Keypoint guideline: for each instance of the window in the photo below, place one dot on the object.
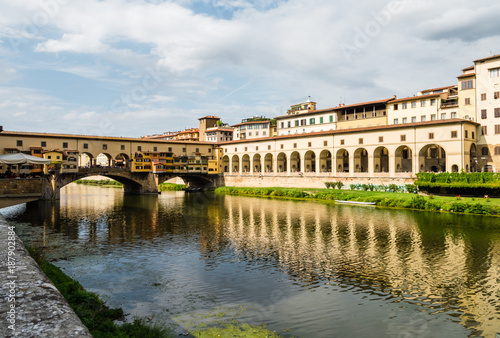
(453, 134)
(139, 148)
(497, 150)
(309, 144)
(495, 72)
(484, 114)
(19, 143)
(422, 103)
(396, 106)
(433, 102)
(396, 121)
(497, 112)
(303, 122)
(485, 151)
(342, 142)
(104, 147)
(256, 133)
(257, 148)
(325, 143)
(414, 104)
(269, 147)
(413, 119)
(295, 145)
(466, 134)
(246, 148)
(197, 150)
(296, 123)
(472, 135)
(443, 116)
(250, 133)
(453, 115)
(467, 100)
(381, 139)
(156, 149)
(360, 141)
(483, 96)
(431, 136)
(184, 150)
(331, 118)
(312, 121)
(405, 120)
(496, 95)
(85, 146)
(423, 118)
(404, 105)
(321, 120)
(65, 144)
(469, 84)
(484, 130)
(281, 146)
(497, 128)
(433, 117)
(264, 133)
(289, 123)
(235, 150)
(403, 138)
(282, 125)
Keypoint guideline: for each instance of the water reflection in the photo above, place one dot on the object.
(345, 258)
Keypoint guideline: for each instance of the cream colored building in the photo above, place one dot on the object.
(252, 128)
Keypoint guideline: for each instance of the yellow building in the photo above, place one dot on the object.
(56, 158)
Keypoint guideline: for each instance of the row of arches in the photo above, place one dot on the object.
(88, 160)
(430, 158)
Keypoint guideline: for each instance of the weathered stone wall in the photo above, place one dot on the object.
(20, 187)
(30, 305)
(298, 181)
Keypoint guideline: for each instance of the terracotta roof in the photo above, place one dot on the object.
(351, 130)
(468, 68)
(417, 97)
(209, 117)
(251, 122)
(336, 108)
(466, 75)
(433, 89)
(488, 58)
(94, 137)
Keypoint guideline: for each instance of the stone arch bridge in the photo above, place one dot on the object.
(133, 182)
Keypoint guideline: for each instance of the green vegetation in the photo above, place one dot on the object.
(92, 311)
(171, 187)
(473, 184)
(101, 183)
(468, 205)
(235, 330)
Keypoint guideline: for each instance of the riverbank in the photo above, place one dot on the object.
(456, 204)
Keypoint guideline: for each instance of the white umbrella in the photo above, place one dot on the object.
(20, 158)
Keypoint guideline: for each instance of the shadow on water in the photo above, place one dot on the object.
(312, 267)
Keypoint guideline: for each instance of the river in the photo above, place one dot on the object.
(304, 269)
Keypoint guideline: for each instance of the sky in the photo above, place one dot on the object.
(139, 67)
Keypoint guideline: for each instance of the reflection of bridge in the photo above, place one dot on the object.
(133, 182)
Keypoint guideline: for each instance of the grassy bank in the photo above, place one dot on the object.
(457, 204)
(101, 183)
(171, 187)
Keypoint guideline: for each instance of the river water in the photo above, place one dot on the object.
(304, 269)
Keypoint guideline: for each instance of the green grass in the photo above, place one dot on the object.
(101, 183)
(171, 187)
(468, 205)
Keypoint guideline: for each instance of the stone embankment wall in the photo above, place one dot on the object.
(30, 305)
(20, 187)
(253, 181)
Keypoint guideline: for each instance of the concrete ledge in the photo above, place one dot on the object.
(30, 305)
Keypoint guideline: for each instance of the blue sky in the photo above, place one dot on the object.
(131, 68)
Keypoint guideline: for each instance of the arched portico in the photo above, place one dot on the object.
(225, 164)
(245, 163)
(310, 162)
(235, 164)
(256, 165)
(325, 161)
(282, 163)
(342, 160)
(268, 163)
(122, 161)
(432, 158)
(381, 160)
(295, 162)
(473, 158)
(403, 160)
(361, 160)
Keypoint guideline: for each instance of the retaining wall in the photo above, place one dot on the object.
(30, 305)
